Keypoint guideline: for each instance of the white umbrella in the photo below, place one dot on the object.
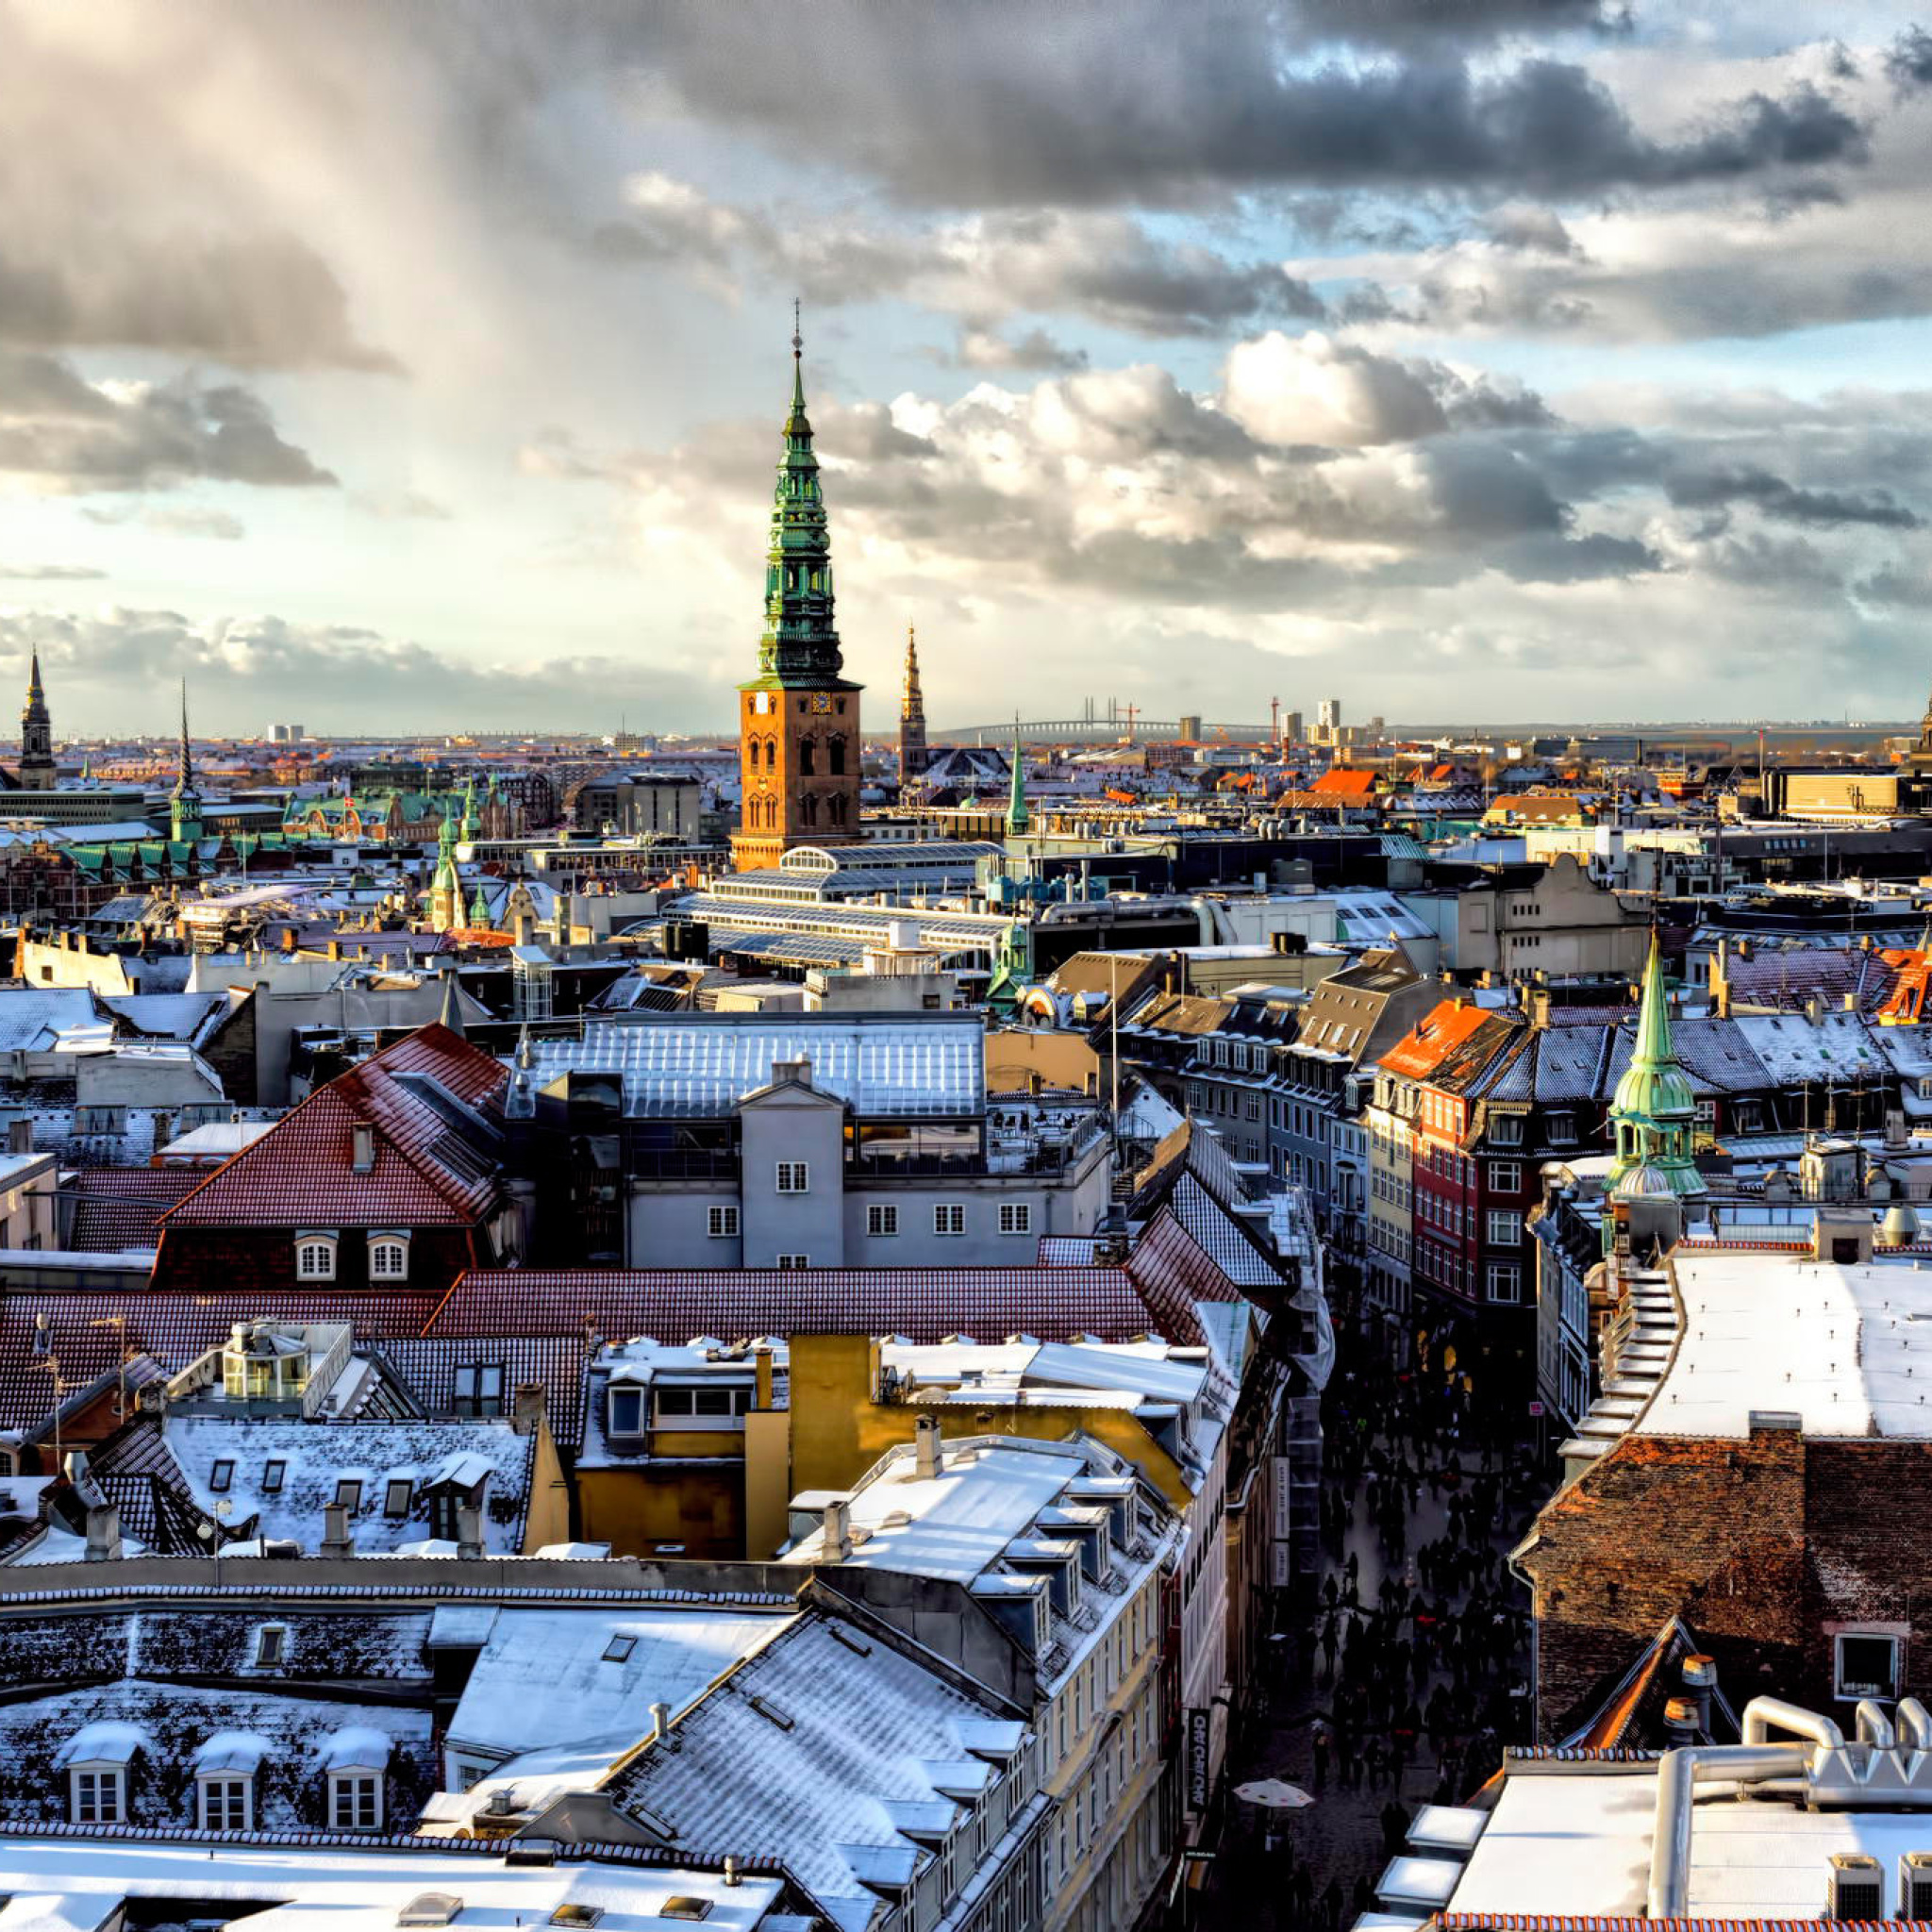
(1274, 1795)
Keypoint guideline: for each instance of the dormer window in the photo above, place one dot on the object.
(354, 1801)
(396, 1501)
(98, 1796)
(349, 1494)
(221, 1478)
(273, 1474)
(227, 1803)
(477, 1389)
(270, 1646)
(388, 1258)
(315, 1257)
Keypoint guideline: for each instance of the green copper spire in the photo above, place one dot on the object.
(800, 645)
(472, 825)
(1019, 819)
(184, 805)
(1654, 1114)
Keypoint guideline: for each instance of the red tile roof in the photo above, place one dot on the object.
(122, 1207)
(299, 1172)
(1344, 784)
(87, 1329)
(1448, 1026)
(923, 1304)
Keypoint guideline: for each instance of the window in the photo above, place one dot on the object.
(881, 1219)
(395, 1502)
(1505, 1227)
(349, 1494)
(1505, 1282)
(619, 1649)
(272, 1475)
(720, 1224)
(221, 1478)
(1865, 1665)
(389, 1259)
(225, 1804)
(478, 1388)
(1562, 1130)
(1506, 1176)
(315, 1260)
(628, 1411)
(1506, 1130)
(1016, 1217)
(795, 1261)
(795, 1177)
(270, 1646)
(97, 1797)
(354, 1801)
(949, 1217)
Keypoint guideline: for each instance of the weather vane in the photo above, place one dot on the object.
(797, 339)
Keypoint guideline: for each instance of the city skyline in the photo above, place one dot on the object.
(1505, 361)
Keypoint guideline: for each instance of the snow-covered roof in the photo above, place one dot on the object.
(1835, 1344)
(61, 1882)
(551, 1677)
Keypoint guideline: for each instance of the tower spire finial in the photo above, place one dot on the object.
(797, 362)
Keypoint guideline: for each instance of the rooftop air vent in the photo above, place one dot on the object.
(1857, 1890)
(1915, 1885)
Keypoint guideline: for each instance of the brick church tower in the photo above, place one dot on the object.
(798, 718)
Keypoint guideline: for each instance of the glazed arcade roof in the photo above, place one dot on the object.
(706, 1063)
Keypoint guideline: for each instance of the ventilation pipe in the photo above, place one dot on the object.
(838, 1531)
(928, 1457)
(469, 1531)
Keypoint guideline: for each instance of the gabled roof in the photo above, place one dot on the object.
(430, 1098)
(121, 1207)
(1456, 1039)
(922, 1303)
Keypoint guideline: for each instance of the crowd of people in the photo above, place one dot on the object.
(1411, 1661)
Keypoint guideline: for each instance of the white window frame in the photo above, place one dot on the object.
(485, 1388)
(1847, 1692)
(792, 1263)
(1506, 1130)
(215, 1793)
(384, 1248)
(949, 1218)
(315, 1257)
(1016, 1217)
(1506, 1176)
(721, 1222)
(1504, 1228)
(1502, 1275)
(793, 1176)
(627, 1392)
(350, 1793)
(881, 1219)
(97, 1793)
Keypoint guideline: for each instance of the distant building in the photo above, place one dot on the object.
(286, 734)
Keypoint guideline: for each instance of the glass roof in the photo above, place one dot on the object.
(684, 1064)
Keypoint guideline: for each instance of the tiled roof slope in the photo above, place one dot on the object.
(922, 1303)
(86, 1330)
(121, 1207)
(431, 1161)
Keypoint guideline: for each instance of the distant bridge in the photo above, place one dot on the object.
(1099, 731)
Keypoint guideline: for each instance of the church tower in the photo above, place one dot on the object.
(185, 822)
(913, 756)
(1654, 1118)
(37, 771)
(447, 884)
(798, 718)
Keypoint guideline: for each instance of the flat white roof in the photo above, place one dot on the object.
(1846, 1348)
(79, 1885)
(1579, 1845)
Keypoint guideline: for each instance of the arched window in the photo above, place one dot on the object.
(808, 756)
(315, 1258)
(389, 1258)
(808, 809)
(837, 805)
(835, 747)
(771, 754)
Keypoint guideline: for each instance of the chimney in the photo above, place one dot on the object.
(529, 1407)
(1681, 1721)
(838, 1532)
(73, 1466)
(928, 1457)
(362, 1147)
(469, 1531)
(1700, 1686)
(102, 1532)
(761, 1369)
(731, 1876)
(336, 1539)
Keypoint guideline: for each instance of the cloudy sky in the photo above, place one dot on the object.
(419, 363)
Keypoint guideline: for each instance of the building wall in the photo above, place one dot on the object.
(790, 795)
(789, 1124)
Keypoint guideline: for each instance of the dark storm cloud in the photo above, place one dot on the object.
(1010, 103)
(1776, 497)
(1909, 60)
(69, 436)
(1467, 20)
